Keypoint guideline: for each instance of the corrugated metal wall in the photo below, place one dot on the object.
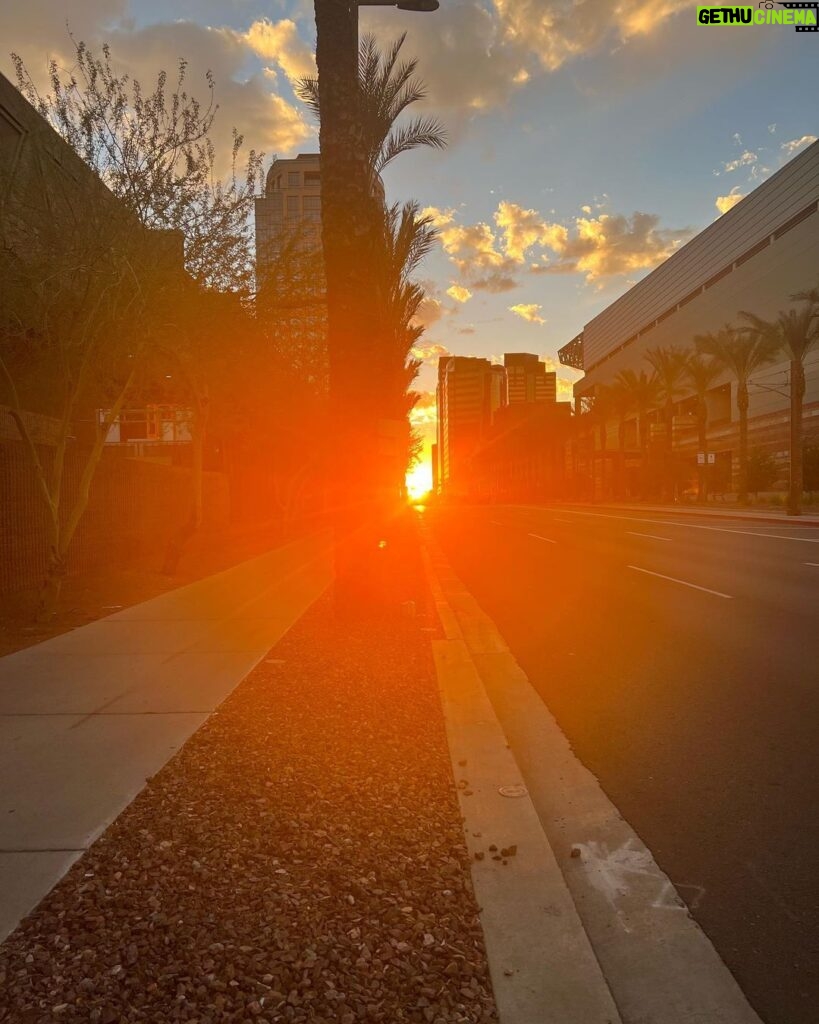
(782, 197)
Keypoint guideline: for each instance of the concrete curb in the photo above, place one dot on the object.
(542, 965)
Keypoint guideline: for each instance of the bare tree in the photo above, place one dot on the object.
(85, 290)
(96, 272)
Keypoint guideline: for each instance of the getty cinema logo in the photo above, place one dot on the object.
(803, 16)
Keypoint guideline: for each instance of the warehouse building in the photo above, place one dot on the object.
(754, 257)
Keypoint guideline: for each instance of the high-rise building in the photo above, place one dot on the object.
(470, 391)
(290, 208)
(527, 379)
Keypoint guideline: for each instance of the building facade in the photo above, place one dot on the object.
(470, 392)
(527, 379)
(752, 258)
(290, 208)
(501, 430)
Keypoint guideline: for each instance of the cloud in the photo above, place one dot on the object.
(555, 32)
(466, 62)
(530, 312)
(791, 148)
(279, 41)
(459, 293)
(493, 259)
(250, 102)
(430, 352)
(523, 229)
(477, 54)
(726, 203)
(431, 311)
(565, 385)
(745, 160)
(425, 411)
(473, 250)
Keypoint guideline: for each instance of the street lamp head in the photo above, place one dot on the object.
(402, 5)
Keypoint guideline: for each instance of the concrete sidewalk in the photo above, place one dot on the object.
(87, 716)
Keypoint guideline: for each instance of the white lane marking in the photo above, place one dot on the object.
(812, 563)
(650, 536)
(685, 583)
(547, 539)
(494, 522)
(688, 526)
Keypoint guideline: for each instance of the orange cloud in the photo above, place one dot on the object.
(530, 312)
(726, 203)
(279, 42)
(459, 293)
(555, 32)
(597, 247)
(429, 352)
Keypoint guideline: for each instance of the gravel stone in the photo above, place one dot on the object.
(301, 859)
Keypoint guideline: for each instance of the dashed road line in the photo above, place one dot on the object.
(684, 583)
(650, 536)
(547, 539)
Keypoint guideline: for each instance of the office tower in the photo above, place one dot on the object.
(470, 391)
(290, 210)
(527, 379)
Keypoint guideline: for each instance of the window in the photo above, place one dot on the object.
(312, 207)
(293, 206)
(293, 179)
(312, 178)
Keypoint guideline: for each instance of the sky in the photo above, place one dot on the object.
(587, 139)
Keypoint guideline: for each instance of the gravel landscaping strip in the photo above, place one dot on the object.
(301, 859)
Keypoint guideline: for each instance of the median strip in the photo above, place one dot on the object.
(684, 583)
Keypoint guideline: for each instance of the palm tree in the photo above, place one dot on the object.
(701, 374)
(741, 353)
(643, 391)
(621, 403)
(387, 87)
(795, 332)
(408, 239)
(669, 366)
(358, 95)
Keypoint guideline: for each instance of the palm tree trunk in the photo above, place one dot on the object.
(742, 406)
(641, 427)
(348, 232)
(671, 489)
(797, 398)
(702, 444)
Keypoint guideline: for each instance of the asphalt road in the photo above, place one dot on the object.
(680, 656)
